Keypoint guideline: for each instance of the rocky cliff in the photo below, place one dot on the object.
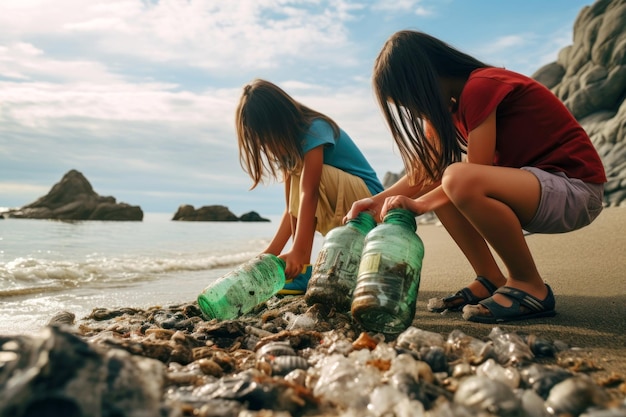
(589, 76)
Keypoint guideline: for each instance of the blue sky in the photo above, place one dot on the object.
(139, 95)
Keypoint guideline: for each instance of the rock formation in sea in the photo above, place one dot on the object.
(589, 76)
(73, 198)
(252, 216)
(215, 213)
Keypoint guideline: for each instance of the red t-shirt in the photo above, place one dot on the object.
(533, 127)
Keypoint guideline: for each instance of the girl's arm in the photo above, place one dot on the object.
(300, 253)
(284, 232)
(401, 189)
(481, 147)
(282, 235)
(481, 150)
(427, 201)
(375, 204)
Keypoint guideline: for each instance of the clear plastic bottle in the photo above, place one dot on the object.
(510, 348)
(389, 274)
(240, 290)
(334, 274)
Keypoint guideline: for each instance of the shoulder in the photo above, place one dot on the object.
(487, 84)
(319, 133)
(320, 127)
(498, 76)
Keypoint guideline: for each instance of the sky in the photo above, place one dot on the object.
(140, 95)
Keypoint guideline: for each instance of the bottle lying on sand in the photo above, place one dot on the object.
(389, 275)
(334, 273)
(242, 289)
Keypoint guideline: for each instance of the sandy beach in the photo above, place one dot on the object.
(586, 270)
(192, 366)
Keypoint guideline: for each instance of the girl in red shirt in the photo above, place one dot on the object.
(492, 153)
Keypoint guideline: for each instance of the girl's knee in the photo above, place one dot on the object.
(454, 176)
(458, 182)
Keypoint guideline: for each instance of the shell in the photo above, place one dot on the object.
(541, 378)
(540, 347)
(484, 394)
(282, 365)
(210, 367)
(274, 349)
(510, 348)
(467, 348)
(62, 318)
(575, 395)
(508, 375)
(414, 339)
(435, 357)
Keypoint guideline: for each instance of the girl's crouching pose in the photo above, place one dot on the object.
(529, 166)
(323, 170)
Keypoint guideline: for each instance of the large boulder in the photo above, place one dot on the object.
(73, 198)
(589, 76)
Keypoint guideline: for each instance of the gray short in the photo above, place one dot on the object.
(566, 203)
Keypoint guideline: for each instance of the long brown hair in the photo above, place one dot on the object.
(270, 126)
(406, 81)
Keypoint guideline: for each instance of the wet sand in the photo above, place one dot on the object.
(586, 270)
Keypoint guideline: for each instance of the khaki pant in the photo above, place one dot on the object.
(338, 190)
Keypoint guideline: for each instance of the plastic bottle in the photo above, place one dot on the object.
(389, 275)
(334, 274)
(240, 290)
(510, 348)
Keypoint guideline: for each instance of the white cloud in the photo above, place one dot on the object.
(39, 104)
(21, 188)
(403, 6)
(202, 33)
(24, 61)
(526, 52)
(509, 41)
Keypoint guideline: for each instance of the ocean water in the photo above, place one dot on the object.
(52, 266)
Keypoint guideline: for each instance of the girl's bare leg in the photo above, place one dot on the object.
(473, 247)
(497, 201)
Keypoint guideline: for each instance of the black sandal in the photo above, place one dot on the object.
(438, 305)
(525, 306)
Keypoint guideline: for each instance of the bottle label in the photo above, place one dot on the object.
(369, 263)
(337, 261)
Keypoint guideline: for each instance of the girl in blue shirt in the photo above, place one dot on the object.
(323, 170)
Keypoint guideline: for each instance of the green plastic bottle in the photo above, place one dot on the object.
(242, 289)
(334, 274)
(389, 275)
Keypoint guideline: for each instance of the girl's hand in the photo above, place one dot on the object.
(400, 201)
(365, 204)
(294, 263)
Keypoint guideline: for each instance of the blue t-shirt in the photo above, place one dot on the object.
(341, 153)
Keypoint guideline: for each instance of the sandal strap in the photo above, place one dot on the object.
(530, 302)
(465, 293)
(487, 284)
(468, 296)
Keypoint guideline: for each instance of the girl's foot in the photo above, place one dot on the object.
(478, 290)
(522, 306)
